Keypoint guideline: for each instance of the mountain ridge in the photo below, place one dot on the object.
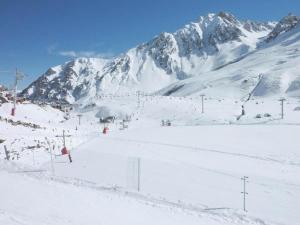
(269, 71)
(212, 42)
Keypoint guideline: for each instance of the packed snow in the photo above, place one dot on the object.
(186, 173)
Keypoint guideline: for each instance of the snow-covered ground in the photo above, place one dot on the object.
(186, 173)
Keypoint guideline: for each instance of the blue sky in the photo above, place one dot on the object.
(38, 34)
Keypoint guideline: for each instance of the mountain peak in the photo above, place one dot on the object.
(221, 16)
(227, 16)
(286, 24)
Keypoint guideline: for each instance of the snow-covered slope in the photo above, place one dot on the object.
(39, 199)
(188, 174)
(271, 70)
(67, 82)
(202, 46)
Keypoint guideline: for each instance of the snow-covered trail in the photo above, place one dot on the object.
(202, 172)
(185, 166)
(44, 200)
(193, 148)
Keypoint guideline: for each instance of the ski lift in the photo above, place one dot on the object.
(105, 130)
(64, 151)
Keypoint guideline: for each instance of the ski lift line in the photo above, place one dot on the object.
(138, 195)
(134, 195)
(220, 208)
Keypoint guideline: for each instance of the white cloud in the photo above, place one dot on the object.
(86, 54)
(52, 49)
(67, 53)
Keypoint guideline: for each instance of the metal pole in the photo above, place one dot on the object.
(138, 95)
(139, 174)
(244, 194)
(202, 101)
(244, 179)
(18, 77)
(282, 111)
(6, 153)
(70, 158)
(202, 104)
(51, 155)
(79, 118)
(64, 139)
(15, 89)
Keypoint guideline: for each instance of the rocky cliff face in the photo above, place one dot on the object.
(201, 46)
(285, 24)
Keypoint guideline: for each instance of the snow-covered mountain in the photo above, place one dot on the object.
(286, 24)
(271, 70)
(200, 47)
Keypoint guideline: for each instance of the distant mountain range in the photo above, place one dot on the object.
(217, 54)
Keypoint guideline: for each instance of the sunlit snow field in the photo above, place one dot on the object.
(186, 173)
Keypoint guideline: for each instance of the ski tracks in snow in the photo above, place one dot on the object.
(198, 149)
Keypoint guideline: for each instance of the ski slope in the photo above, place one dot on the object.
(34, 200)
(202, 169)
(189, 173)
